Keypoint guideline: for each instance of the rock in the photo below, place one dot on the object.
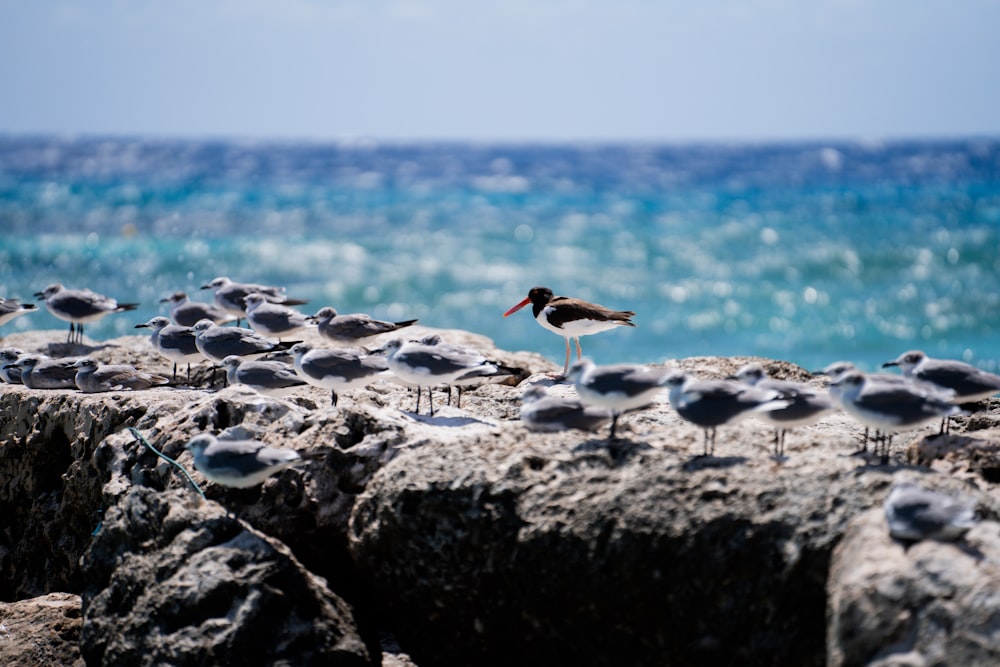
(636, 553)
(41, 632)
(933, 603)
(463, 538)
(179, 582)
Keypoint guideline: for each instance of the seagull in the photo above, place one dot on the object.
(239, 463)
(571, 318)
(349, 329)
(186, 313)
(79, 306)
(271, 378)
(10, 373)
(92, 377)
(543, 413)
(915, 513)
(807, 404)
(475, 377)
(229, 295)
(890, 408)
(273, 319)
(339, 369)
(968, 383)
(174, 342)
(713, 403)
(216, 343)
(431, 365)
(40, 372)
(11, 308)
(618, 387)
(838, 369)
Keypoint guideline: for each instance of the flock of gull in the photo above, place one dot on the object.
(925, 391)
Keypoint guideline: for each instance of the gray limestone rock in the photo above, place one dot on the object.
(934, 603)
(172, 580)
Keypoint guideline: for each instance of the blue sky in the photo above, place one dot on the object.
(508, 70)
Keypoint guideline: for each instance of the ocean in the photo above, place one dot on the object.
(809, 252)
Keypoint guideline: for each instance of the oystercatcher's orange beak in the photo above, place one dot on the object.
(518, 307)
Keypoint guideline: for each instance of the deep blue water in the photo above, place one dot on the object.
(810, 252)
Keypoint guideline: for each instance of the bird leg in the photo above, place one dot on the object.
(566, 366)
(614, 425)
(333, 397)
(579, 352)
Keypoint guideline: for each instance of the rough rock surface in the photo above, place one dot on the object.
(171, 581)
(460, 538)
(41, 632)
(934, 603)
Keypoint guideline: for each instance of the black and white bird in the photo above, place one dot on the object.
(216, 343)
(890, 408)
(544, 413)
(41, 372)
(353, 328)
(93, 377)
(274, 319)
(271, 378)
(174, 342)
(187, 313)
(617, 387)
(239, 463)
(230, 295)
(571, 318)
(475, 377)
(338, 370)
(915, 513)
(423, 365)
(807, 404)
(714, 403)
(79, 307)
(9, 372)
(968, 383)
(11, 308)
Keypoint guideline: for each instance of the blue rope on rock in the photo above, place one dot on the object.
(169, 460)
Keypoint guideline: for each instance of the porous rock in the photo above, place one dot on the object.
(462, 536)
(41, 632)
(930, 603)
(175, 581)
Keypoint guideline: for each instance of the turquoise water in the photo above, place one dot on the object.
(809, 252)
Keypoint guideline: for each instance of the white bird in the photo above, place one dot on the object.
(229, 295)
(271, 378)
(545, 413)
(216, 343)
(92, 377)
(714, 403)
(890, 408)
(79, 307)
(11, 308)
(915, 513)
(239, 463)
(274, 319)
(40, 372)
(618, 387)
(340, 369)
(428, 366)
(9, 372)
(352, 328)
(807, 404)
(173, 342)
(967, 383)
(186, 313)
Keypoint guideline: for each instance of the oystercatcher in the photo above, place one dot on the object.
(571, 318)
